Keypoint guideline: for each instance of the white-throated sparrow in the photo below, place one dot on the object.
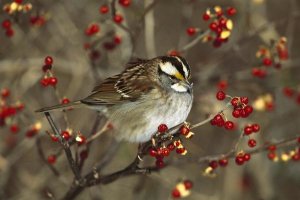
(146, 94)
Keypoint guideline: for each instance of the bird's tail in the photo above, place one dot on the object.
(60, 106)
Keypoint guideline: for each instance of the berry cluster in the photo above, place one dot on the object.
(292, 94)
(241, 107)
(182, 189)
(269, 56)
(37, 20)
(284, 156)
(220, 25)
(92, 29)
(14, 8)
(49, 79)
(67, 135)
(162, 149)
(17, 6)
(219, 121)
(242, 157)
(8, 111)
(7, 26)
(213, 165)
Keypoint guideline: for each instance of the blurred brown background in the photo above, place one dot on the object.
(24, 176)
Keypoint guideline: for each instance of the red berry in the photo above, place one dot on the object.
(239, 160)
(235, 102)
(223, 162)
(247, 156)
(244, 100)
(159, 163)
(220, 123)
(176, 193)
(229, 125)
(14, 128)
(213, 26)
(188, 184)
(9, 32)
(177, 143)
(283, 53)
(213, 164)
(184, 130)
(272, 148)
(103, 9)
(255, 127)
(18, 1)
(117, 39)
(5, 92)
(298, 140)
(222, 85)
(251, 143)
(180, 150)
(174, 53)
(248, 130)
(125, 3)
(289, 92)
(296, 157)
(118, 18)
(222, 22)
(31, 132)
(165, 152)
(51, 159)
(236, 113)
(231, 11)
(65, 101)
(205, 17)
(162, 128)
(45, 82)
(53, 81)
(66, 135)
(191, 31)
(267, 62)
(6, 24)
(220, 95)
(248, 110)
(171, 146)
(271, 155)
(48, 60)
(92, 29)
(54, 138)
(152, 152)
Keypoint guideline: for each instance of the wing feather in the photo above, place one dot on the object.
(127, 86)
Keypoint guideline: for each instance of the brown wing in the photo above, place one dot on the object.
(127, 86)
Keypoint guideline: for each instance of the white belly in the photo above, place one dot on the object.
(138, 121)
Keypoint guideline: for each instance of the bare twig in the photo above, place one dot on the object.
(66, 147)
(192, 43)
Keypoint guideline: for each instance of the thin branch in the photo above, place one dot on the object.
(66, 147)
(192, 43)
(232, 153)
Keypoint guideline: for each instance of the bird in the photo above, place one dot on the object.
(149, 92)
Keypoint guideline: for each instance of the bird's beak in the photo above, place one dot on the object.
(186, 84)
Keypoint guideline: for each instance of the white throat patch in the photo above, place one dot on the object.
(179, 88)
